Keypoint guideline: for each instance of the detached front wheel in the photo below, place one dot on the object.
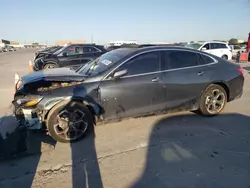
(69, 121)
(213, 100)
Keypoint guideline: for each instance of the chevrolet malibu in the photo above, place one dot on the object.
(127, 82)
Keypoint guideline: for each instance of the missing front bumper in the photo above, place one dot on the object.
(27, 118)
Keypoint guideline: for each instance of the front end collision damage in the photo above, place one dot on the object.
(34, 115)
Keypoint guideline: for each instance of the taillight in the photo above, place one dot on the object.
(240, 69)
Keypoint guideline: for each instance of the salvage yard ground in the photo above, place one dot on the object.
(177, 150)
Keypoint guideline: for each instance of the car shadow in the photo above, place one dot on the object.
(85, 166)
(195, 151)
(21, 170)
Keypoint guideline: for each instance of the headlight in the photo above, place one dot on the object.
(19, 84)
(29, 101)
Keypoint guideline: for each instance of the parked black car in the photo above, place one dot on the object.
(45, 51)
(126, 83)
(110, 48)
(72, 56)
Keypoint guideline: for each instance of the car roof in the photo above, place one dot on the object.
(215, 42)
(134, 51)
(170, 47)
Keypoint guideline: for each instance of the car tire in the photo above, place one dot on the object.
(213, 100)
(224, 57)
(50, 66)
(61, 121)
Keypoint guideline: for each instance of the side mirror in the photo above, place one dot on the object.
(64, 54)
(120, 73)
(203, 49)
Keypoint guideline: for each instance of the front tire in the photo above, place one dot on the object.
(69, 121)
(224, 57)
(213, 100)
(50, 66)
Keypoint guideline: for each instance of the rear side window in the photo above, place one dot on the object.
(89, 49)
(179, 59)
(218, 46)
(203, 59)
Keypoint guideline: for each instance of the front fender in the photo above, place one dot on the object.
(48, 105)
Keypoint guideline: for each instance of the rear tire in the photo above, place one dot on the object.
(69, 121)
(213, 100)
(224, 57)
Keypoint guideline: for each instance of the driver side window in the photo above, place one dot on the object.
(206, 46)
(141, 64)
(73, 50)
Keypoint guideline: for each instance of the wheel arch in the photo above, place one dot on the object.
(94, 108)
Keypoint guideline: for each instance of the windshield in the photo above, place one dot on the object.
(194, 45)
(60, 50)
(55, 49)
(102, 63)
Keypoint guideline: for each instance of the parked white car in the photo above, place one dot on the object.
(236, 49)
(220, 49)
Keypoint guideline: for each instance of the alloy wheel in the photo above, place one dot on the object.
(70, 125)
(215, 101)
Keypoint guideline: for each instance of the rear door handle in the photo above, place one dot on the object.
(155, 79)
(200, 73)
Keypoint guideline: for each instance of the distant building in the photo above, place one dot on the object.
(63, 42)
(119, 43)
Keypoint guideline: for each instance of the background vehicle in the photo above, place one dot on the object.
(45, 51)
(72, 56)
(126, 82)
(8, 49)
(110, 48)
(236, 49)
(220, 49)
(11, 48)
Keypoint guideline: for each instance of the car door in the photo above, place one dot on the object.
(184, 77)
(71, 56)
(140, 91)
(219, 49)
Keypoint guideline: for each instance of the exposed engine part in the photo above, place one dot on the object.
(31, 120)
(55, 85)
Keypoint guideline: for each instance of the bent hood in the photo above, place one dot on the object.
(57, 74)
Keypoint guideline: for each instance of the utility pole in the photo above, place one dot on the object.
(91, 39)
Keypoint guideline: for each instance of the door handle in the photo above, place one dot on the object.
(200, 73)
(155, 79)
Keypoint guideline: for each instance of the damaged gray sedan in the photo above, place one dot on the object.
(125, 83)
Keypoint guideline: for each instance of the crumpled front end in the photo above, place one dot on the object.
(33, 101)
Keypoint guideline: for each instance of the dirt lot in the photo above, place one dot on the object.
(177, 150)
